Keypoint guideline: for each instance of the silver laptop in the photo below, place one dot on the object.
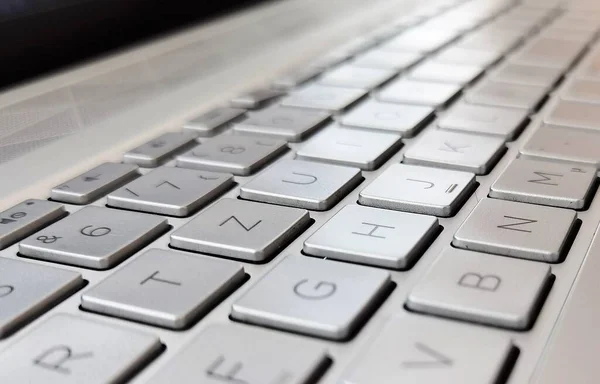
(301, 192)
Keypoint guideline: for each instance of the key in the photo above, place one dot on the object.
(302, 184)
(506, 95)
(557, 32)
(211, 122)
(226, 353)
(434, 71)
(350, 76)
(419, 39)
(496, 121)
(417, 189)
(241, 229)
(164, 288)
(546, 183)
(574, 114)
(547, 52)
(26, 218)
(381, 59)
(67, 349)
(465, 56)
(317, 96)
(585, 91)
(454, 150)
(171, 191)
(517, 230)
(154, 152)
(27, 290)
(428, 350)
(93, 237)
(373, 236)
(403, 119)
(94, 184)
(240, 155)
(491, 39)
(312, 296)
(590, 67)
(418, 92)
(296, 78)
(566, 144)
(526, 75)
(291, 124)
(481, 288)
(366, 150)
(256, 98)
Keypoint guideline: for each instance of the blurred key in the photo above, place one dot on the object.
(296, 78)
(151, 154)
(506, 95)
(328, 98)
(573, 113)
(445, 73)
(465, 56)
(585, 91)
(366, 150)
(548, 52)
(494, 40)
(210, 123)
(312, 296)
(351, 76)
(381, 59)
(526, 75)
(255, 99)
(406, 91)
(420, 39)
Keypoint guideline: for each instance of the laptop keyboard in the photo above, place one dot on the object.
(431, 103)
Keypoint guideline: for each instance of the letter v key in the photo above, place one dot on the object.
(434, 358)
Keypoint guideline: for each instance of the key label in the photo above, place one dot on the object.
(309, 179)
(435, 359)
(6, 290)
(428, 184)
(371, 233)
(320, 291)
(56, 357)
(521, 221)
(228, 375)
(489, 283)
(546, 178)
(448, 147)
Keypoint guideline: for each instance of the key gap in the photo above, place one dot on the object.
(369, 312)
(145, 362)
(570, 239)
(320, 370)
(508, 366)
(589, 197)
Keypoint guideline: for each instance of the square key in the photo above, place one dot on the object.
(381, 59)
(482, 288)
(507, 95)
(392, 117)
(316, 297)
(94, 237)
(164, 288)
(158, 150)
(406, 91)
(432, 70)
(171, 191)
(325, 97)
(240, 155)
(425, 190)
(520, 230)
(241, 229)
(454, 150)
(373, 236)
(302, 184)
(348, 75)
(364, 149)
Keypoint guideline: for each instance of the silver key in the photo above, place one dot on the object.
(211, 122)
(328, 98)
(563, 143)
(432, 70)
(312, 296)
(430, 350)
(547, 183)
(403, 119)
(506, 95)
(491, 39)
(241, 229)
(26, 218)
(164, 288)
(526, 75)
(291, 124)
(454, 150)
(520, 230)
(418, 92)
(373, 236)
(225, 353)
(93, 237)
(590, 67)
(296, 78)
(366, 150)
(381, 59)
(584, 91)
(465, 56)
(94, 184)
(255, 99)
(548, 52)
(417, 189)
(67, 349)
(28, 289)
(351, 76)
(302, 184)
(482, 288)
(420, 39)
(574, 114)
(156, 151)
(171, 191)
(496, 121)
(240, 155)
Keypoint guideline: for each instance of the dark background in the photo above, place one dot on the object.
(41, 36)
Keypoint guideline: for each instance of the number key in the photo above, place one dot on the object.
(93, 237)
(313, 296)
(240, 155)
